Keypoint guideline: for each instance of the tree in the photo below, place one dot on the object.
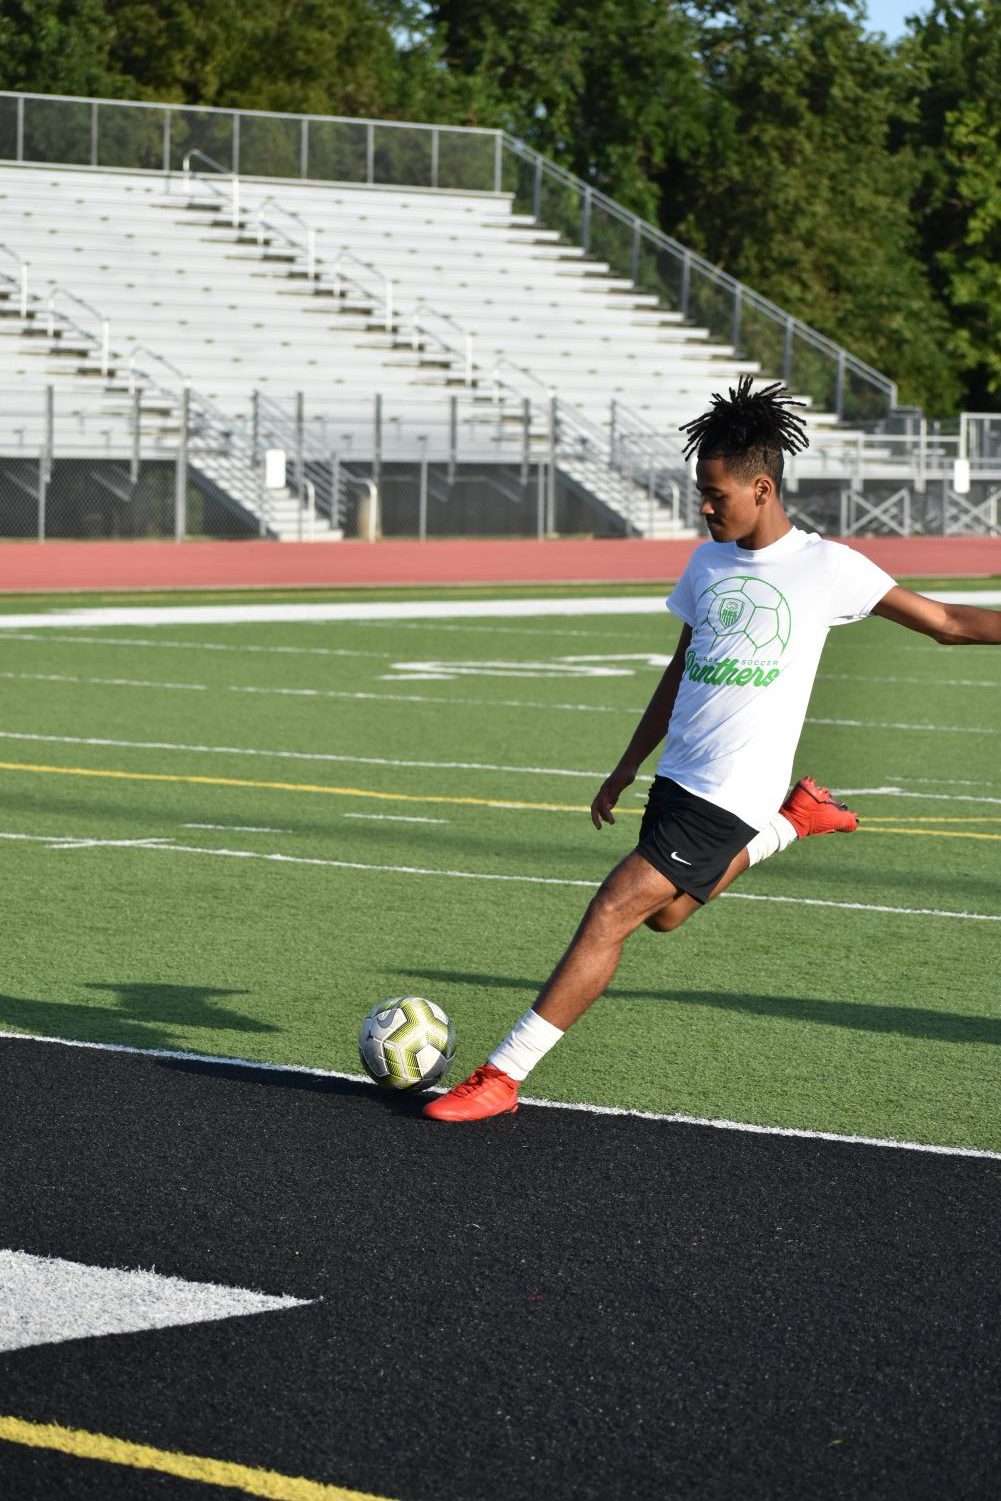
(953, 129)
(608, 88)
(55, 47)
(801, 193)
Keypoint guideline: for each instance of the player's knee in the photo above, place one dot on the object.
(607, 913)
(666, 919)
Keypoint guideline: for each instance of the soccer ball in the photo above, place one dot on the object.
(406, 1042)
(742, 612)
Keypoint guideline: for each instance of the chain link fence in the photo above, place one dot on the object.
(154, 463)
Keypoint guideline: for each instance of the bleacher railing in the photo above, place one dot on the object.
(140, 136)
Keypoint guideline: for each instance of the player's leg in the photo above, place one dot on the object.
(624, 900)
(622, 903)
(807, 810)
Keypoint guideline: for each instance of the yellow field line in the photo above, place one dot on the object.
(874, 825)
(932, 818)
(222, 1472)
(392, 797)
(868, 828)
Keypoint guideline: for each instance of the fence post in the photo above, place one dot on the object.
(551, 485)
(20, 128)
(45, 461)
(537, 189)
(181, 471)
(93, 133)
(540, 500)
(634, 263)
(585, 221)
(166, 145)
(300, 468)
(304, 150)
(498, 162)
(686, 277)
(737, 311)
(434, 156)
(787, 351)
(377, 441)
(839, 385)
(335, 490)
(526, 438)
(136, 435)
(453, 437)
(422, 503)
(370, 153)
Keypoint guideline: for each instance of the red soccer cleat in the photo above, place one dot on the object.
(812, 810)
(488, 1091)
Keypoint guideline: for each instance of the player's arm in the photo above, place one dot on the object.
(648, 735)
(951, 625)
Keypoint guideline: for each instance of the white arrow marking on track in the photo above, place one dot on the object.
(45, 1300)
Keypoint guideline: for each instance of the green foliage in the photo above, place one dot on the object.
(333, 56)
(608, 88)
(56, 47)
(954, 131)
(799, 193)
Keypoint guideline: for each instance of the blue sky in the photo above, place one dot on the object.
(888, 15)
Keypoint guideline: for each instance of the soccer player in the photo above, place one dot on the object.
(756, 603)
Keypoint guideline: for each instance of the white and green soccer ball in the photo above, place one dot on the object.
(406, 1042)
(745, 612)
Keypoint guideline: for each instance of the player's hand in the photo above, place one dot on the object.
(609, 793)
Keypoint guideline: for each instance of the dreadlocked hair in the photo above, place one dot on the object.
(749, 429)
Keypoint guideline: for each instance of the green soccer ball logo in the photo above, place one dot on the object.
(744, 612)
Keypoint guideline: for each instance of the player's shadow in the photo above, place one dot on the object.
(858, 1016)
(141, 1014)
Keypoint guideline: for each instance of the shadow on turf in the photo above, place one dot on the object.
(278, 1078)
(142, 1016)
(858, 1016)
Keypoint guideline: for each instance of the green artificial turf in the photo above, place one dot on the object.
(826, 1017)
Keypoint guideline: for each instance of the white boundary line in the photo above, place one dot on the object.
(749, 1127)
(408, 609)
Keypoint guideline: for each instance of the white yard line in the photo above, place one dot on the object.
(879, 724)
(749, 1127)
(163, 845)
(287, 755)
(237, 828)
(194, 645)
(393, 818)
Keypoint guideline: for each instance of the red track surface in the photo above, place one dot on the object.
(230, 565)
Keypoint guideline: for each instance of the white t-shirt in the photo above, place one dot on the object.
(759, 622)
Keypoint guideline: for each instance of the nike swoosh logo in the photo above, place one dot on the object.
(680, 859)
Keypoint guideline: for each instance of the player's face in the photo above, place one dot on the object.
(731, 507)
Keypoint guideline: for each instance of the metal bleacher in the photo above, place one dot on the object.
(196, 306)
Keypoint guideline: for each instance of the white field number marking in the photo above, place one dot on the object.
(599, 665)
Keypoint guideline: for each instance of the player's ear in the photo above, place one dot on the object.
(764, 489)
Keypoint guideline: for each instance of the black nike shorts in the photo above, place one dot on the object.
(688, 840)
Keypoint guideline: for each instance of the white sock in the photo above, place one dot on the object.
(775, 836)
(528, 1041)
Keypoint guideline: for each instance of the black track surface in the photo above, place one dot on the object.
(552, 1305)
